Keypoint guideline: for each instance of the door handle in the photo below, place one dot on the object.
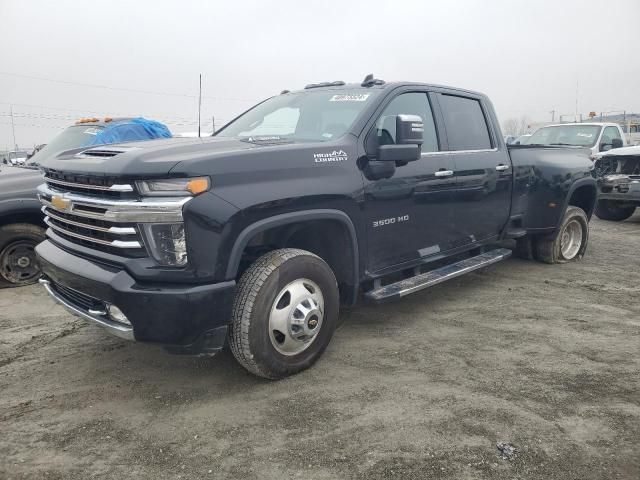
(502, 167)
(444, 173)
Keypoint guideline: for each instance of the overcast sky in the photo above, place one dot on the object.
(527, 55)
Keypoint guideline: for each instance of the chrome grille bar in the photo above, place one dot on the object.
(149, 210)
(112, 230)
(113, 243)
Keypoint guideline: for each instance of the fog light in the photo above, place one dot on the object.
(116, 315)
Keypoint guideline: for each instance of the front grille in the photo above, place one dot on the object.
(101, 187)
(113, 226)
(115, 238)
(78, 299)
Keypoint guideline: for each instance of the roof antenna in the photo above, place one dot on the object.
(370, 81)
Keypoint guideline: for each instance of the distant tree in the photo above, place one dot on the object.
(510, 126)
(516, 126)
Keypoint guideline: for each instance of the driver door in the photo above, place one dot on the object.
(409, 215)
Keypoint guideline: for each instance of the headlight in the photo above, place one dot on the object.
(167, 243)
(174, 187)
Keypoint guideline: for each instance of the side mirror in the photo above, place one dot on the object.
(409, 138)
(616, 143)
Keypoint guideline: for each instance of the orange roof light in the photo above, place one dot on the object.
(87, 120)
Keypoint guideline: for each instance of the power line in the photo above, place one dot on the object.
(108, 87)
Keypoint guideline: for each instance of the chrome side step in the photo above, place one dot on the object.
(439, 275)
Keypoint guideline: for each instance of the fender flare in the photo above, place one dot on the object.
(587, 181)
(18, 206)
(287, 218)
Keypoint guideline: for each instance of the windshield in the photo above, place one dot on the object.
(305, 116)
(578, 135)
(72, 137)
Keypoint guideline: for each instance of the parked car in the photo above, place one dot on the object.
(598, 137)
(258, 234)
(16, 157)
(618, 176)
(522, 139)
(21, 219)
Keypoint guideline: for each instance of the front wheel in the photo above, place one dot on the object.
(611, 210)
(571, 241)
(284, 313)
(18, 262)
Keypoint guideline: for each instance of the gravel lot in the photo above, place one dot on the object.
(544, 357)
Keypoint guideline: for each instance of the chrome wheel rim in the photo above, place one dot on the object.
(571, 239)
(296, 317)
(18, 262)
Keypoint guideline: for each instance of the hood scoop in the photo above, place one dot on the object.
(102, 152)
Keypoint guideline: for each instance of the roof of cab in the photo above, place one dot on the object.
(338, 85)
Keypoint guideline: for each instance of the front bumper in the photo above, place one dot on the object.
(184, 319)
(619, 187)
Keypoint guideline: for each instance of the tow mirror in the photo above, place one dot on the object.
(616, 143)
(408, 140)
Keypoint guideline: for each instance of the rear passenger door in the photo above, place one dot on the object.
(483, 173)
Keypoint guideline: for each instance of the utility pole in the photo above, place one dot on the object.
(199, 104)
(577, 101)
(553, 116)
(13, 128)
(213, 124)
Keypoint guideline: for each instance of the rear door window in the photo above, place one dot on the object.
(465, 123)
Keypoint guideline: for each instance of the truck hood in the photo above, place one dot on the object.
(14, 180)
(147, 159)
(622, 151)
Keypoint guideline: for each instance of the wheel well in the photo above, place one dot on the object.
(329, 239)
(35, 218)
(585, 198)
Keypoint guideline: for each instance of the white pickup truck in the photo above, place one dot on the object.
(598, 137)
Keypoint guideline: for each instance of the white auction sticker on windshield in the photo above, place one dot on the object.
(92, 131)
(588, 135)
(357, 97)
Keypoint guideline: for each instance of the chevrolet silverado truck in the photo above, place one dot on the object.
(617, 174)
(310, 200)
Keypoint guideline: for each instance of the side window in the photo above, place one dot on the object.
(609, 134)
(465, 123)
(413, 103)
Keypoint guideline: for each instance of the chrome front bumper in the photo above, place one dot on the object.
(115, 328)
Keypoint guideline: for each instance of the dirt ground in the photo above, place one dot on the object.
(544, 357)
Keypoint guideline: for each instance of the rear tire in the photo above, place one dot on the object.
(569, 243)
(18, 262)
(284, 314)
(610, 210)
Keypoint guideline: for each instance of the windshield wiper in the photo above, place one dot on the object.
(564, 144)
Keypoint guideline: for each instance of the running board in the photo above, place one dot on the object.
(433, 277)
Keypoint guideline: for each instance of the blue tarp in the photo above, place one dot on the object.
(131, 131)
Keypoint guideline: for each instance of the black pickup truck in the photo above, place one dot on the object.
(309, 200)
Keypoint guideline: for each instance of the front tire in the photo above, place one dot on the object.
(18, 262)
(284, 314)
(611, 210)
(569, 243)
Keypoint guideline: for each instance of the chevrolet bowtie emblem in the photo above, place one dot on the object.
(60, 203)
